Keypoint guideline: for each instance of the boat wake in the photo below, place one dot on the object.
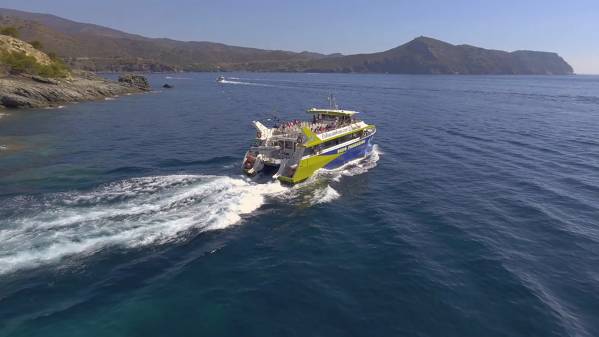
(129, 213)
(325, 195)
(230, 81)
(318, 190)
(177, 78)
(137, 212)
(355, 167)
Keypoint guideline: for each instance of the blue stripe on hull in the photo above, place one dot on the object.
(357, 152)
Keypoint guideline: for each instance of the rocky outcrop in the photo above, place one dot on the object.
(135, 81)
(23, 83)
(36, 92)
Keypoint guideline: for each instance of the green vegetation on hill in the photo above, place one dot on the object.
(19, 63)
(37, 45)
(10, 31)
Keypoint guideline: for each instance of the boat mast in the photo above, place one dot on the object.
(332, 103)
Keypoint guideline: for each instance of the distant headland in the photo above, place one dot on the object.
(96, 48)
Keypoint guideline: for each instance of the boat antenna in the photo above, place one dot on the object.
(275, 117)
(332, 102)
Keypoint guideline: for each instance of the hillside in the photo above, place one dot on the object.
(19, 57)
(29, 78)
(425, 55)
(97, 48)
(10, 44)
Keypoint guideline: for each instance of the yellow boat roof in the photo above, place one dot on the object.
(331, 112)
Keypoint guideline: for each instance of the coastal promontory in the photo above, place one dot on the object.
(30, 78)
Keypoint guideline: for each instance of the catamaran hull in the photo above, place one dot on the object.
(352, 154)
(331, 159)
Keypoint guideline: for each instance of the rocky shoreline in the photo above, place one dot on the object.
(26, 91)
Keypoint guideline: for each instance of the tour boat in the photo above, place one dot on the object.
(220, 79)
(295, 150)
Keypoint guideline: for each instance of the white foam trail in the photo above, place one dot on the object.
(356, 167)
(325, 195)
(177, 78)
(54, 107)
(130, 213)
(316, 189)
(149, 210)
(244, 83)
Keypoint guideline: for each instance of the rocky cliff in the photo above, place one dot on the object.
(26, 91)
(21, 85)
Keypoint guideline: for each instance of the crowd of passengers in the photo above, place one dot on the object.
(318, 124)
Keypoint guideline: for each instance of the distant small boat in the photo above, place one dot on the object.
(220, 79)
(167, 86)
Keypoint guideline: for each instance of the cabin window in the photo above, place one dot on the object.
(311, 150)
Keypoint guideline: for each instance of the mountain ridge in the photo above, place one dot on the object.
(425, 55)
(97, 48)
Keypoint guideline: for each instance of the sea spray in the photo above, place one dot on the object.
(325, 195)
(147, 210)
(355, 167)
(129, 213)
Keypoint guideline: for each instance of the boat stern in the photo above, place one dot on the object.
(252, 163)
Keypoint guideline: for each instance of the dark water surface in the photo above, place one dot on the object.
(478, 215)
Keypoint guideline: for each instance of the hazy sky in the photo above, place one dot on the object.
(570, 28)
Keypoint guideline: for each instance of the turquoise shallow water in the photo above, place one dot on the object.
(476, 215)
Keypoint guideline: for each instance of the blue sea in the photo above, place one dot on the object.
(477, 214)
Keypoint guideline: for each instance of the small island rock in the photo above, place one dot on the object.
(135, 81)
